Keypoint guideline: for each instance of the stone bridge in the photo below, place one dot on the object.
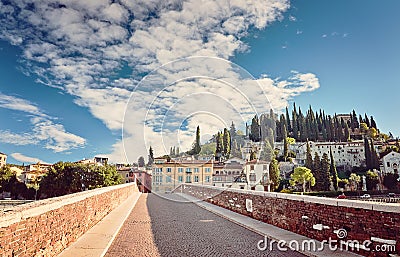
(198, 221)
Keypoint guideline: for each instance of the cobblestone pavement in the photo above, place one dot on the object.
(135, 237)
(167, 226)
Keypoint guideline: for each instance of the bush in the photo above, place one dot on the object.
(287, 191)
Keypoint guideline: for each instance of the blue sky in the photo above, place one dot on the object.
(73, 74)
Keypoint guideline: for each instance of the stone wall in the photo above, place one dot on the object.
(46, 227)
(314, 217)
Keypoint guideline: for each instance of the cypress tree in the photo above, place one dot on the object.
(226, 143)
(333, 171)
(367, 152)
(325, 176)
(367, 121)
(374, 157)
(373, 123)
(288, 125)
(346, 133)
(317, 172)
(285, 146)
(197, 146)
(255, 129)
(355, 121)
(218, 148)
(274, 174)
(309, 160)
(295, 125)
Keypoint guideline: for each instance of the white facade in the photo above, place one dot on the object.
(345, 154)
(3, 159)
(390, 163)
(257, 173)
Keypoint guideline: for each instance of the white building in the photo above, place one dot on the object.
(3, 159)
(345, 154)
(390, 163)
(257, 175)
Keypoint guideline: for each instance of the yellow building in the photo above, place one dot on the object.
(3, 159)
(167, 174)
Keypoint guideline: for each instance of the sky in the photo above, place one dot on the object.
(87, 78)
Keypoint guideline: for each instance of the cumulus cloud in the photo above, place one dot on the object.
(26, 159)
(44, 131)
(82, 46)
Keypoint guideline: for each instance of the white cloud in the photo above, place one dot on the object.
(86, 43)
(26, 159)
(44, 131)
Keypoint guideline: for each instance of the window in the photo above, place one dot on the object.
(252, 177)
(180, 170)
(388, 164)
(180, 179)
(168, 169)
(207, 178)
(168, 179)
(196, 170)
(127, 175)
(196, 178)
(188, 170)
(188, 179)
(251, 167)
(208, 170)
(217, 172)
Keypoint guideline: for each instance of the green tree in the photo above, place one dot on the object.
(274, 174)
(196, 148)
(309, 159)
(367, 152)
(333, 172)
(343, 182)
(226, 143)
(255, 129)
(302, 176)
(141, 162)
(66, 178)
(372, 180)
(325, 175)
(151, 156)
(317, 172)
(267, 153)
(232, 132)
(354, 181)
(390, 181)
(219, 146)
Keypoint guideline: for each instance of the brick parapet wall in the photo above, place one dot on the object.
(297, 213)
(46, 227)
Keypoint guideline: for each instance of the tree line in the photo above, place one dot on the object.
(314, 126)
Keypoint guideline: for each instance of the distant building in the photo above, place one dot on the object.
(257, 175)
(167, 174)
(34, 172)
(101, 160)
(3, 159)
(346, 117)
(390, 163)
(86, 161)
(346, 154)
(226, 173)
(134, 175)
